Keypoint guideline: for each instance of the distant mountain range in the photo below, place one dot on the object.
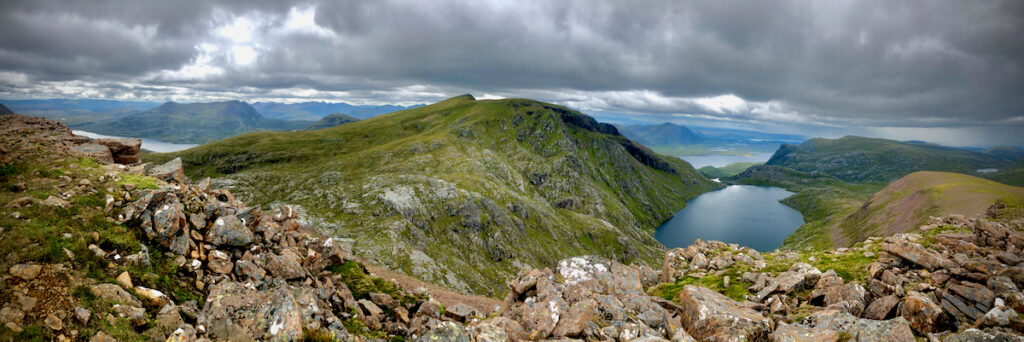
(661, 135)
(193, 123)
(672, 139)
(317, 110)
(331, 121)
(870, 159)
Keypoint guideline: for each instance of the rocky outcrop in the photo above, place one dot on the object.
(711, 316)
(122, 150)
(589, 298)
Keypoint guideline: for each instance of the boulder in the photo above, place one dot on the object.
(792, 333)
(122, 150)
(882, 308)
(287, 265)
(154, 297)
(923, 314)
(125, 280)
(134, 314)
(95, 151)
(893, 330)
(25, 271)
(235, 312)
(249, 270)
(219, 261)
(82, 315)
(229, 230)
(572, 323)
(900, 246)
(102, 337)
(114, 294)
(966, 301)
(860, 329)
(171, 171)
(975, 335)
(385, 300)
(488, 332)
(459, 312)
(675, 262)
(709, 315)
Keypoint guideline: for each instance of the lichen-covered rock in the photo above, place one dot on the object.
(234, 311)
(882, 308)
(219, 261)
(709, 315)
(287, 265)
(169, 172)
(114, 294)
(900, 246)
(793, 333)
(893, 330)
(25, 271)
(229, 230)
(924, 315)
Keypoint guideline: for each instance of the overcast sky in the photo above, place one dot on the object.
(944, 71)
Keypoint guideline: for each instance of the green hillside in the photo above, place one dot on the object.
(856, 159)
(907, 203)
(464, 193)
(331, 121)
(193, 123)
(726, 171)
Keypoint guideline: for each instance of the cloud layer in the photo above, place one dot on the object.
(893, 64)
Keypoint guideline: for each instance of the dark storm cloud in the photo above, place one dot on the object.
(834, 63)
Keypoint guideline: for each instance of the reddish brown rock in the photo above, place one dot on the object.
(709, 315)
(122, 150)
(882, 308)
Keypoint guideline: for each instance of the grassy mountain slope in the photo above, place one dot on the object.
(726, 171)
(858, 159)
(464, 193)
(191, 122)
(331, 121)
(907, 203)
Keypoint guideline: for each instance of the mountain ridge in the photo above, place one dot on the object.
(503, 182)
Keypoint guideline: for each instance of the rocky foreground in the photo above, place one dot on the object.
(163, 258)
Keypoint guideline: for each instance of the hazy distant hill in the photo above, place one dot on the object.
(194, 123)
(869, 159)
(464, 192)
(331, 121)
(661, 135)
(672, 139)
(72, 111)
(316, 110)
(4, 110)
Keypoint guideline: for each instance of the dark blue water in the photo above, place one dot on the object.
(747, 215)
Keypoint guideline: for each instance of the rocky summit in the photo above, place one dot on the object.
(104, 251)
